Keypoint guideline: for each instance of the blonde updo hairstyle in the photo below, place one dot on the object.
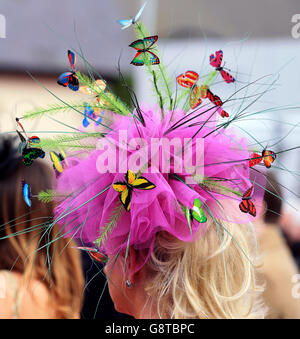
(213, 277)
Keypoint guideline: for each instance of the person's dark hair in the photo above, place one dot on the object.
(272, 198)
(27, 243)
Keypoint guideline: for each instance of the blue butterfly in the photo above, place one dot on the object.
(69, 79)
(88, 112)
(26, 190)
(128, 22)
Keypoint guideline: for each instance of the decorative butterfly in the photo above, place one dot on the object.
(128, 22)
(126, 187)
(268, 157)
(94, 253)
(216, 100)
(94, 90)
(144, 55)
(69, 79)
(57, 159)
(26, 191)
(189, 80)
(216, 60)
(247, 206)
(29, 153)
(88, 112)
(196, 212)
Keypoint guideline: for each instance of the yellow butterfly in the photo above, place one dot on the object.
(57, 160)
(126, 188)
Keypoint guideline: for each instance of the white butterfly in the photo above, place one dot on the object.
(128, 22)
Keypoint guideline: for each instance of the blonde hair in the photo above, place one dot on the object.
(213, 277)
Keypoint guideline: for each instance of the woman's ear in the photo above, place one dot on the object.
(135, 277)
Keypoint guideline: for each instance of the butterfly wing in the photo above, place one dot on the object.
(138, 45)
(30, 154)
(94, 253)
(97, 256)
(197, 211)
(195, 97)
(119, 186)
(144, 44)
(153, 60)
(269, 157)
(72, 60)
(193, 76)
(227, 77)
(142, 183)
(34, 140)
(56, 162)
(63, 79)
(187, 79)
(125, 198)
(247, 195)
(139, 13)
(73, 82)
(85, 121)
(214, 99)
(223, 114)
(244, 206)
(125, 23)
(26, 193)
(216, 59)
(255, 159)
(139, 59)
(252, 208)
(130, 176)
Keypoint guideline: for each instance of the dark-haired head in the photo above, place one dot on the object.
(25, 235)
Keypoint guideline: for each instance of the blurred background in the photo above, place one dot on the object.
(256, 37)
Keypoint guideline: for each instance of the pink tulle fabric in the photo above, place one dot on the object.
(86, 211)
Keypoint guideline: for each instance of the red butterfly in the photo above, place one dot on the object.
(95, 254)
(247, 206)
(216, 101)
(216, 60)
(267, 156)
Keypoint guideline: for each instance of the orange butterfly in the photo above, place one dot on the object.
(189, 80)
(98, 86)
(267, 156)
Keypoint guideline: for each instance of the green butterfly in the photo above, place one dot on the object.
(196, 213)
(144, 56)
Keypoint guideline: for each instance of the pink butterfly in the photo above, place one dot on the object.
(216, 60)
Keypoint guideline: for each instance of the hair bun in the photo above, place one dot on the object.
(9, 156)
